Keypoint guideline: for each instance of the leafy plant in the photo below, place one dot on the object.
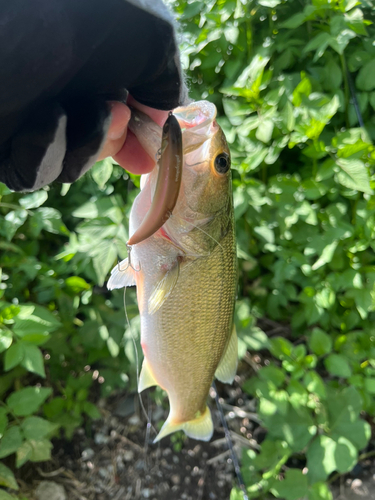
(295, 90)
(294, 83)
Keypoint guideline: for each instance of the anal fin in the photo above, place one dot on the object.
(226, 371)
(200, 428)
(146, 378)
(122, 275)
(163, 289)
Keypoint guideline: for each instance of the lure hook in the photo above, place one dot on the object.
(122, 270)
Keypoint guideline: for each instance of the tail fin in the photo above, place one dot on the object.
(200, 428)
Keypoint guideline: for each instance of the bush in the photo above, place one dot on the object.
(288, 76)
(294, 83)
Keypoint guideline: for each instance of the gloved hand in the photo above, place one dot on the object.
(62, 63)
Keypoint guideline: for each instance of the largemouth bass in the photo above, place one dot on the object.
(186, 276)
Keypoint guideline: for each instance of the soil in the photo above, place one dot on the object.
(116, 459)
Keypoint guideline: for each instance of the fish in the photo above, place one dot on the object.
(186, 272)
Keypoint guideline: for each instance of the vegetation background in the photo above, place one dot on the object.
(294, 83)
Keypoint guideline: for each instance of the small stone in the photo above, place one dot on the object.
(140, 464)
(103, 472)
(175, 459)
(134, 420)
(187, 480)
(100, 438)
(356, 483)
(195, 471)
(128, 455)
(212, 495)
(175, 479)
(47, 490)
(87, 454)
(146, 493)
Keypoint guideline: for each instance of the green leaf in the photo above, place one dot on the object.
(370, 385)
(3, 421)
(270, 3)
(264, 131)
(76, 284)
(104, 260)
(280, 347)
(24, 453)
(273, 374)
(296, 427)
(33, 360)
(353, 174)
(5, 496)
(366, 76)
(6, 339)
(11, 441)
(91, 410)
(337, 365)
(35, 451)
(37, 428)
(13, 356)
(326, 455)
(320, 491)
(319, 342)
(294, 21)
(34, 200)
(28, 400)
(102, 171)
(293, 487)
(34, 320)
(314, 383)
(255, 340)
(7, 478)
(326, 255)
(52, 222)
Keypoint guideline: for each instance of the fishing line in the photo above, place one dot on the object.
(228, 437)
(149, 424)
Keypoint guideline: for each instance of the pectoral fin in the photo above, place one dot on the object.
(163, 289)
(200, 428)
(146, 378)
(226, 371)
(121, 275)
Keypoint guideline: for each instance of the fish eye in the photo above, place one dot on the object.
(222, 163)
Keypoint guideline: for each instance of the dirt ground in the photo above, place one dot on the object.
(114, 458)
(118, 460)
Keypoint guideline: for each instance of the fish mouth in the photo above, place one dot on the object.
(197, 124)
(167, 185)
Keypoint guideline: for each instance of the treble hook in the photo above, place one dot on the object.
(122, 270)
(158, 155)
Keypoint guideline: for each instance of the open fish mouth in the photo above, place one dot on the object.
(185, 131)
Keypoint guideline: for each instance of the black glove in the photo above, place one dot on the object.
(61, 61)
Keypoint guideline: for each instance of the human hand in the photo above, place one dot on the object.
(122, 144)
